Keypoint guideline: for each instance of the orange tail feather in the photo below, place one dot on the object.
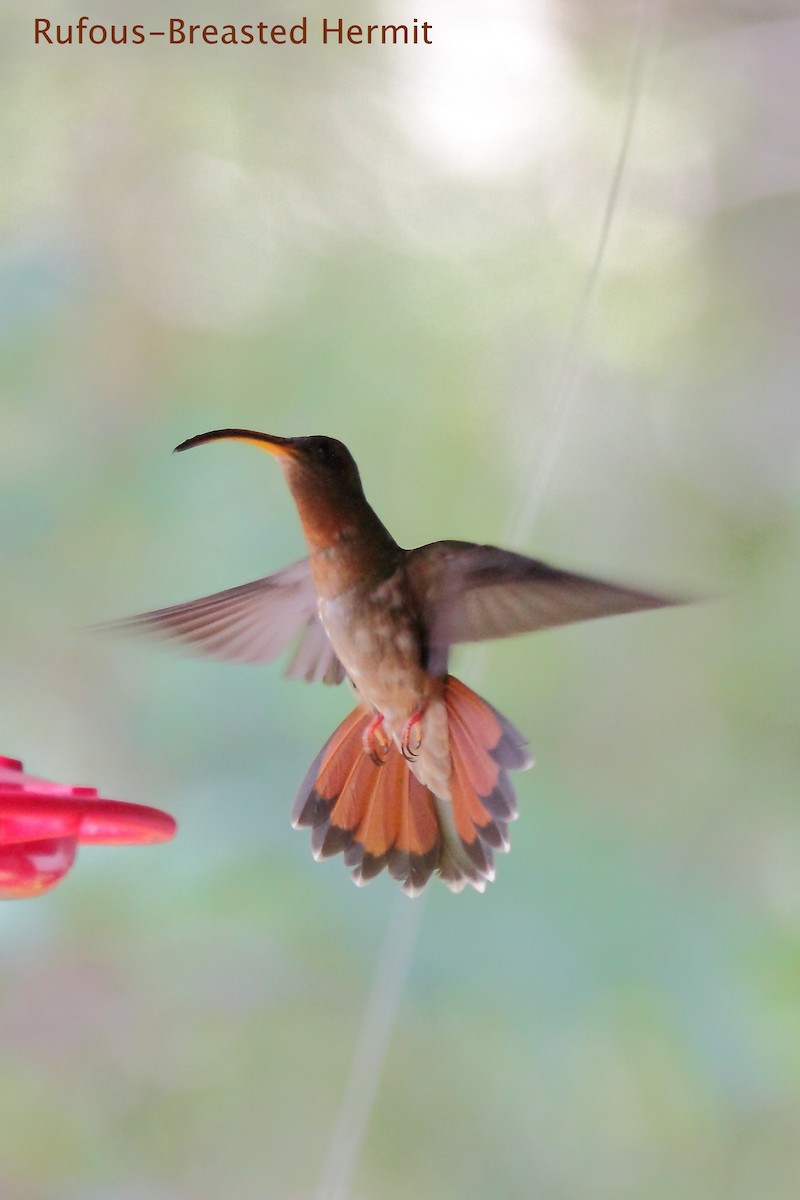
(484, 745)
(378, 816)
(383, 816)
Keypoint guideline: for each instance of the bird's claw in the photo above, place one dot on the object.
(374, 740)
(413, 730)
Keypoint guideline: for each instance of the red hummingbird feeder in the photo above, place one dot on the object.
(42, 824)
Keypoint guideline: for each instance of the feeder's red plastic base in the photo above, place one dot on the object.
(42, 823)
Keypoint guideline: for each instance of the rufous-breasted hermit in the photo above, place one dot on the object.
(415, 779)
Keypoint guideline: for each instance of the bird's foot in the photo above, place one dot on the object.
(374, 740)
(411, 741)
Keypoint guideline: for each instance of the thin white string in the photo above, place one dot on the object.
(375, 1033)
(571, 360)
(405, 918)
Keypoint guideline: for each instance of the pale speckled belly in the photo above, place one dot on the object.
(380, 652)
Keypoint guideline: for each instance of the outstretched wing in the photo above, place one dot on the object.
(252, 623)
(473, 593)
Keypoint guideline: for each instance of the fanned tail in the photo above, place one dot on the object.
(377, 816)
(382, 816)
(484, 746)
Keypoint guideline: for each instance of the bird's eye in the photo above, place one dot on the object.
(323, 452)
(329, 455)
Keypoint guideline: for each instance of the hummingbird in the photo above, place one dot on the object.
(415, 779)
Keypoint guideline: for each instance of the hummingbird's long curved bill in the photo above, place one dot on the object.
(278, 446)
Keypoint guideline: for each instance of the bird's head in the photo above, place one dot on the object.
(321, 474)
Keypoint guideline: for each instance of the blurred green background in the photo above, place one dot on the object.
(390, 246)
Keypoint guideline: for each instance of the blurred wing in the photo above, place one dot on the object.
(252, 623)
(474, 593)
